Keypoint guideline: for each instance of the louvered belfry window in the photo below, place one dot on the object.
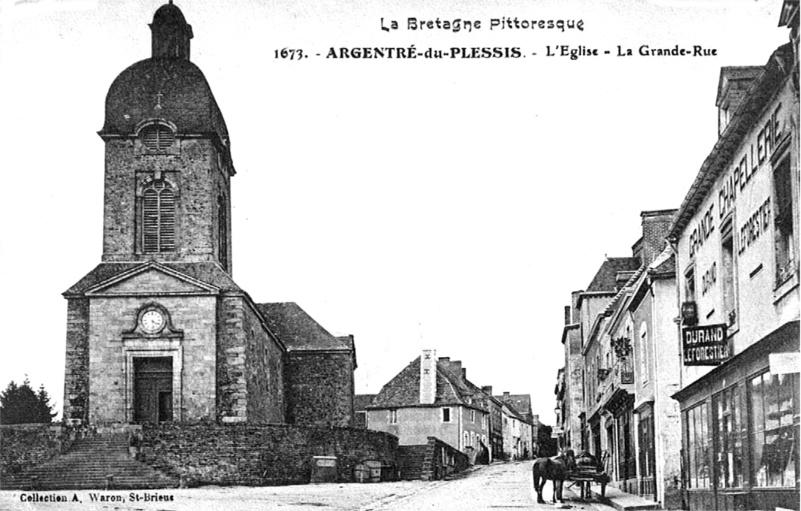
(158, 218)
(157, 138)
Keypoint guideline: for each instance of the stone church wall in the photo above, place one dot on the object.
(76, 374)
(249, 367)
(265, 374)
(239, 454)
(110, 354)
(320, 388)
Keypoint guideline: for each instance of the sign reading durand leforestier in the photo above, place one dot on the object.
(705, 345)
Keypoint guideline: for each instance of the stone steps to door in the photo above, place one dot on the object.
(97, 462)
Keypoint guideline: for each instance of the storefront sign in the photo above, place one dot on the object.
(784, 363)
(705, 345)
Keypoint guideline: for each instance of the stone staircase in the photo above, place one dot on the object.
(97, 462)
(410, 461)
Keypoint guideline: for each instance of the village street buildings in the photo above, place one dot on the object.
(736, 242)
(432, 397)
(688, 360)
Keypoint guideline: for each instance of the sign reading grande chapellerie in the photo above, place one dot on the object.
(705, 345)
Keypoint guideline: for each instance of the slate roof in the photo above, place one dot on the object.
(606, 278)
(207, 272)
(404, 389)
(299, 331)
(362, 401)
(520, 402)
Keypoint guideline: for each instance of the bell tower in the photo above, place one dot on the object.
(168, 157)
(171, 33)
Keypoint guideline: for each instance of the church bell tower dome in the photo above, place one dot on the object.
(168, 157)
(166, 88)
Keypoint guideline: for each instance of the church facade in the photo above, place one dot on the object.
(159, 331)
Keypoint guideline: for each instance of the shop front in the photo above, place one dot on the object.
(740, 430)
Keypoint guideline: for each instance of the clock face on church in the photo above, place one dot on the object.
(152, 321)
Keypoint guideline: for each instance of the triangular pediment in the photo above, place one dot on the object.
(152, 279)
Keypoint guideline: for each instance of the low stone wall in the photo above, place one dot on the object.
(442, 460)
(24, 445)
(255, 455)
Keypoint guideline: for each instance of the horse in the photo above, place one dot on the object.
(555, 469)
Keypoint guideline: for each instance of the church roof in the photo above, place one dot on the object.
(299, 331)
(165, 88)
(209, 273)
(168, 89)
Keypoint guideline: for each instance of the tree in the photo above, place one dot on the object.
(19, 404)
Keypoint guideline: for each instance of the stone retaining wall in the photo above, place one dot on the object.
(254, 455)
(442, 460)
(25, 445)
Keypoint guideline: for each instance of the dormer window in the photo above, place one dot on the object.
(157, 138)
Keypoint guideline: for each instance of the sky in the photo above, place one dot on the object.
(449, 204)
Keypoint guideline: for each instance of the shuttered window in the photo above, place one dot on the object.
(157, 138)
(158, 218)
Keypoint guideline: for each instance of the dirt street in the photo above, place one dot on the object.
(499, 486)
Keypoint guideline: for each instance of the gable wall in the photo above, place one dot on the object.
(320, 388)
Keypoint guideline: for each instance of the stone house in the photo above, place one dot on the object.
(432, 397)
(519, 421)
(736, 243)
(495, 407)
(630, 338)
(159, 331)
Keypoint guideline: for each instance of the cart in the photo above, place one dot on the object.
(588, 470)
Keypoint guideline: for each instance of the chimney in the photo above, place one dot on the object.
(456, 368)
(428, 377)
(464, 374)
(567, 314)
(574, 297)
(506, 396)
(655, 226)
(487, 389)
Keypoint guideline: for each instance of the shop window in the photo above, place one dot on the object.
(773, 411)
(698, 447)
(728, 442)
(785, 225)
(645, 431)
(627, 464)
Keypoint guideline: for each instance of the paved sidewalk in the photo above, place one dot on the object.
(623, 501)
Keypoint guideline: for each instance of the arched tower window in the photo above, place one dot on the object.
(158, 217)
(157, 137)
